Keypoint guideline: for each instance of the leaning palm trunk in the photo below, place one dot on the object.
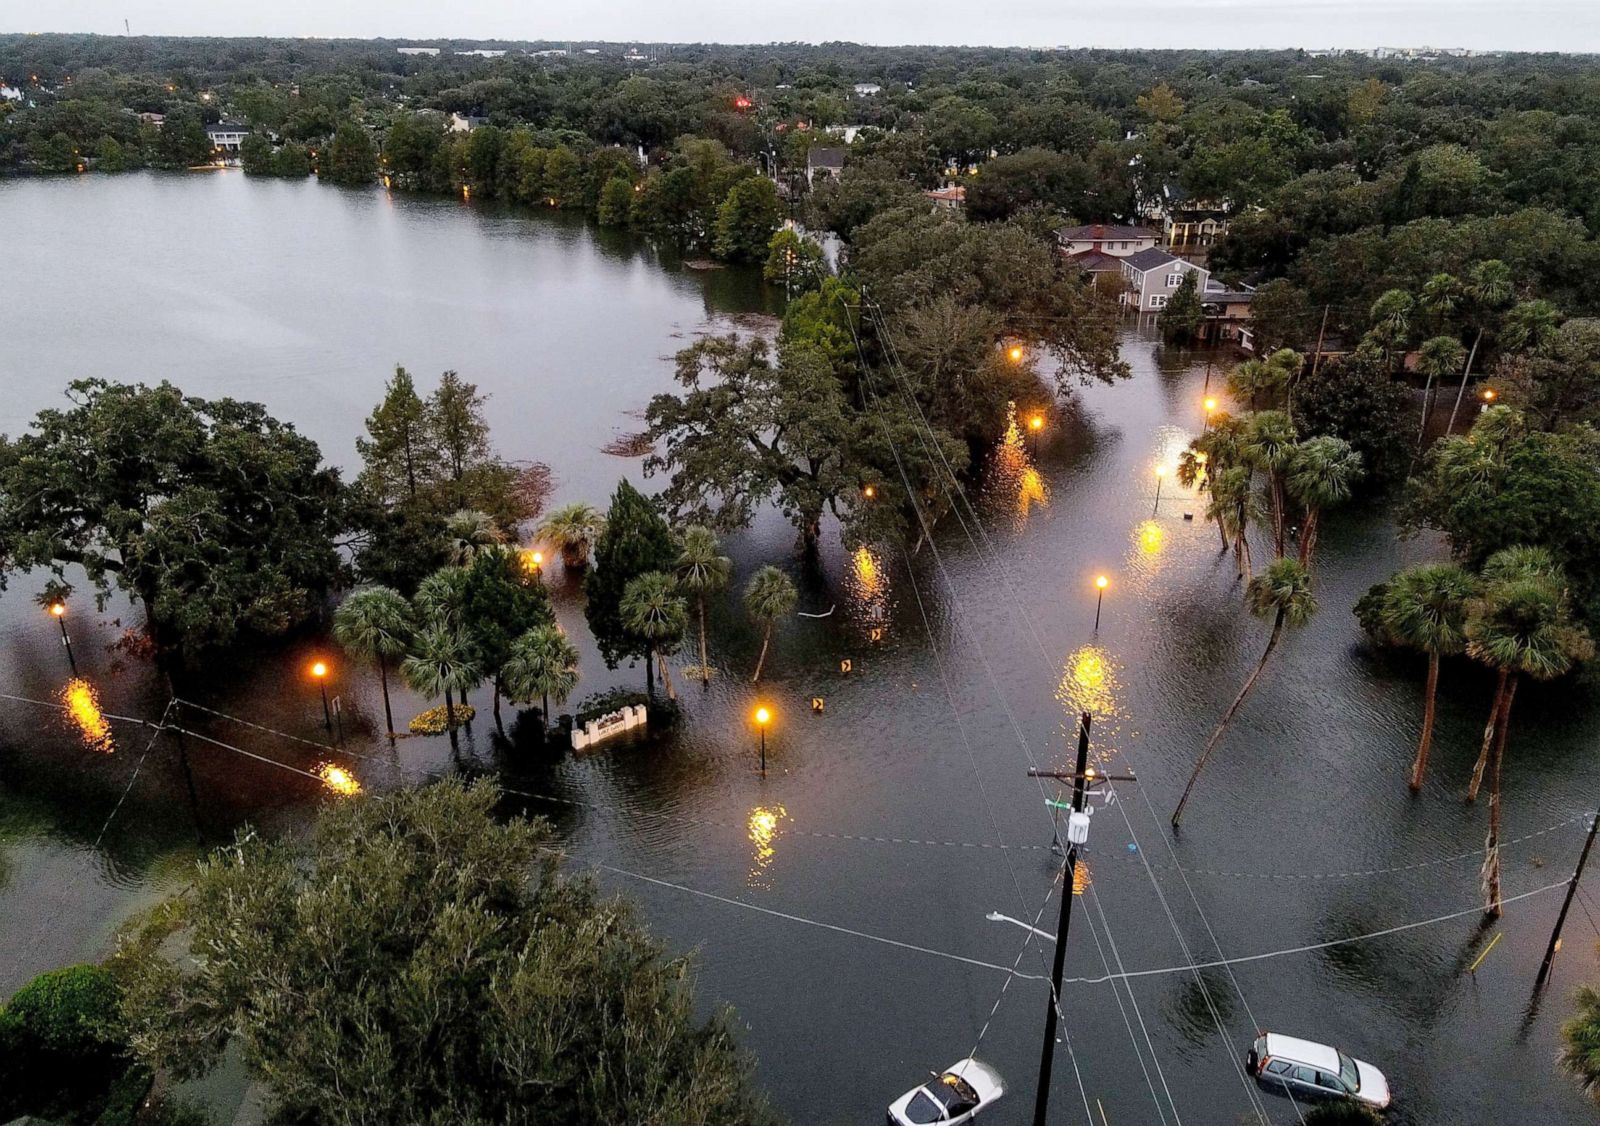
(383, 679)
(649, 673)
(495, 690)
(1425, 744)
(1466, 374)
(761, 661)
(1488, 735)
(1308, 536)
(1276, 484)
(1427, 405)
(705, 669)
(666, 676)
(1223, 532)
(1227, 717)
(1491, 862)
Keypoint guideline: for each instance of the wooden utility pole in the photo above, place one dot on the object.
(1566, 904)
(1316, 360)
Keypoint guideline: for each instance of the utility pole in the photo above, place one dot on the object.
(1077, 833)
(1572, 889)
(1316, 360)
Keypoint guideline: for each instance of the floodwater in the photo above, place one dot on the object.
(895, 819)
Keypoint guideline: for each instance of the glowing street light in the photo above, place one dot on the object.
(762, 718)
(58, 610)
(1035, 424)
(1161, 474)
(1489, 395)
(1100, 584)
(1211, 406)
(319, 673)
(1016, 353)
(533, 563)
(869, 491)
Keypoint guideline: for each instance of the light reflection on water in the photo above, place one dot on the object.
(1013, 484)
(766, 824)
(82, 702)
(868, 588)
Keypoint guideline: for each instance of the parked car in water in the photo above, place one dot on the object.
(1311, 1071)
(965, 1090)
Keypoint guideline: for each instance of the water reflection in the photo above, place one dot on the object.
(1012, 484)
(765, 825)
(1150, 538)
(868, 588)
(339, 780)
(82, 702)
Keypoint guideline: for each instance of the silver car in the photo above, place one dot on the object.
(965, 1090)
(1311, 1071)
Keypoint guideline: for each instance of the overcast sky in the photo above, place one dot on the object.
(1524, 25)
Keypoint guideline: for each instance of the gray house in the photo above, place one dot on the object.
(826, 163)
(1153, 276)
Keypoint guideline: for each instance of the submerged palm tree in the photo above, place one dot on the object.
(543, 663)
(467, 533)
(571, 529)
(1425, 608)
(442, 663)
(1208, 456)
(702, 570)
(1320, 473)
(1269, 442)
(1283, 592)
(1521, 626)
(653, 610)
(375, 625)
(1580, 1041)
(768, 597)
(1232, 506)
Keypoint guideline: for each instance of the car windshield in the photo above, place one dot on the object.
(1348, 1072)
(922, 1108)
(955, 1092)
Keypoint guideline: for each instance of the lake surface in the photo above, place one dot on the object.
(901, 811)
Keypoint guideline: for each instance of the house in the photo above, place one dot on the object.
(1103, 269)
(1105, 238)
(227, 136)
(464, 123)
(867, 89)
(482, 53)
(952, 197)
(1153, 276)
(824, 163)
(156, 119)
(417, 50)
(1187, 221)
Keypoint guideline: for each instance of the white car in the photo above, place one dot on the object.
(966, 1089)
(1308, 1070)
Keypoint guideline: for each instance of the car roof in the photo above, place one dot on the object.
(1302, 1051)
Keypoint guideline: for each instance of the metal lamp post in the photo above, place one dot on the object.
(763, 717)
(59, 611)
(1100, 584)
(319, 672)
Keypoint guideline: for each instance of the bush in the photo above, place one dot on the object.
(62, 1045)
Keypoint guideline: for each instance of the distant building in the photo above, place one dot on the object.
(952, 197)
(10, 93)
(156, 119)
(482, 54)
(227, 136)
(824, 163)
(1187, 221)
(551, 53)
(417, 50)
(867, 89)
(464, 123)
(1106, 238)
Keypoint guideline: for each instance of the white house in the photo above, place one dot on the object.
(482, 53)
(417, 50)
(951, 197)
(1107, 238)
(463, 123)
(227, 136)
(867, 89)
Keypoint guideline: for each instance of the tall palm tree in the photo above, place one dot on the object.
(441, 663)
(1209, 455)
(1391, 322)
(374, 624)
(543, 663)
(468, 532)
(1441, 298)
(571, 529)
(1438, 357)
(702, 570)
(1233, 506)
(1488, 292)
(1425, 608)
(768, 597)
(1283, 592)
(652, 609)
(1321, 472)
(442, 597)
(1531, 327)
(1521, 626)
(1269, 443)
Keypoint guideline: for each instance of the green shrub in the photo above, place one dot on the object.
(61, 1045)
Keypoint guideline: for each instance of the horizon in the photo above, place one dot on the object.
(1569, 27)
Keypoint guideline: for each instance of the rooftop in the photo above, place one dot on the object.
(1151, 259)
(1094, 262)
(821, 157)
(1101, 231)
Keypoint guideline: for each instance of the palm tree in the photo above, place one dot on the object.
(1521, 626)
(1269, 443)
(441, 663)
(1441, 298)
(1531, 327)
(1438, 357)
(768, 596)
(1425, 608)
(374, 624)
(702, 571)
(1391, 322)
(1580, 1041)
(1232, 506)
(467, 532)
(1283, 591)
(571, 529)
(652, 609)
(1321, 472)
(543, 663)
(1206, 457)
(1488, 291)
(442, 597)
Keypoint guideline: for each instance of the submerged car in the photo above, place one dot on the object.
(1308, 1070)
(965, 1090)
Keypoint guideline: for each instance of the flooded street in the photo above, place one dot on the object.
(891, 821)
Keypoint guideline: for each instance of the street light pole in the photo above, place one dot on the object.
(1161, 475)
(1100, 598)
(1077, 832)
(763, 717)
(59, 610)
(319, 671)
(1566, 904)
